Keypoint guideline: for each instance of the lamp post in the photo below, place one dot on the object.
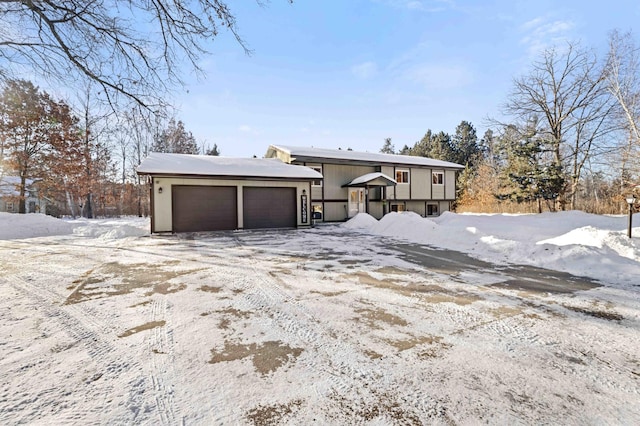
(630, 200)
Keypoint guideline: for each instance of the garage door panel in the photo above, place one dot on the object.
(269, 207)
(204, 208)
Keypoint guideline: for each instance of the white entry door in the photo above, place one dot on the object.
(356, 201)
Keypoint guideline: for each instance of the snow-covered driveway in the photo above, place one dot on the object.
(324, 325)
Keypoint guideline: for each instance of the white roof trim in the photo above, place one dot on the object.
(364, 179)
(207, 165)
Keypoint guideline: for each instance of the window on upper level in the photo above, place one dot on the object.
(437, 178)
(402, 176)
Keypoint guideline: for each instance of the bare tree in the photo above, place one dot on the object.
(623, 79)
(567, 90)
(131, 48)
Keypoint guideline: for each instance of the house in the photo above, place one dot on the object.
(374, 183)
(192, 193)
(10, 196)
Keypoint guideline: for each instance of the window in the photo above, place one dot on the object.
(397, 207)
(319, 181)
(316, 212)
(402, 176)
(438, 178)
(9, 206)
(432, 210)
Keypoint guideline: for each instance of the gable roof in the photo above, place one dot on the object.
(372, 179)
(208, 165)
(311, 154)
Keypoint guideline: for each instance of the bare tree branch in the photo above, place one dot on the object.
(132, 48)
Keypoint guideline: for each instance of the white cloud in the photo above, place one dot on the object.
(542, 33)
(365, 70)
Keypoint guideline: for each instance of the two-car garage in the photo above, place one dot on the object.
(215, 208)
(193, 193)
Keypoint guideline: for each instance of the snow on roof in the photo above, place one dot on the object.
(369, 177)
(207, 165)
(369, 157)
(9, 185)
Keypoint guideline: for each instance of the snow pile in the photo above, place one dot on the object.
(17, 226)
(575, 242)
(112, 229)
(361, 220)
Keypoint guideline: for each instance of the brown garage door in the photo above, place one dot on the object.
(269, 207)
(204, 208)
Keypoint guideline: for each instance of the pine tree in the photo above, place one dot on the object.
(388, 147)
(213, 151)
(175, 139)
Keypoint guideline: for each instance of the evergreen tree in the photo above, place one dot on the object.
(530, 172)
(388, 147)
(175, 139)
(213, 151)
(464, 146)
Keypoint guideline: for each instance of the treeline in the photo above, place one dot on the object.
(572, 140)
(82, 158)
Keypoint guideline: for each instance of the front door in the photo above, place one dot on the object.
(356, 201)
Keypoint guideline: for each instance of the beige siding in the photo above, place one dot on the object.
(402, 191)
(450, 184)
(336, 175)
(334, 212)
(388, 170)
(416, 207)
(316, 192)
(375, 209)
(162, 209)
(444, 206)
(282, 156)
(420, 184)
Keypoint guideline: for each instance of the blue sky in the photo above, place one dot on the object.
(348, 74)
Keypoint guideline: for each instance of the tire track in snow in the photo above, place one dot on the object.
(333, 361)
(162, 374)
(87, 329)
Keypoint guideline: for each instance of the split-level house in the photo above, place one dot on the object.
(374, 183)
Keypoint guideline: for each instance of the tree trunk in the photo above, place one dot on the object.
(21, 203)
(88, 206)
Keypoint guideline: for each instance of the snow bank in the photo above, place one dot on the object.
(17, 226)
(111, 229)
(575, 242)
(361, 220)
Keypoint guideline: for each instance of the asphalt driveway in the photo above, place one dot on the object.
(294, 327)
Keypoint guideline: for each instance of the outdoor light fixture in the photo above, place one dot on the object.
(160, 190)
(630, 200)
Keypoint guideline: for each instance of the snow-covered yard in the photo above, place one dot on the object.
(342, 324)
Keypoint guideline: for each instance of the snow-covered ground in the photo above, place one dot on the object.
(575, 242)
(102, 323)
